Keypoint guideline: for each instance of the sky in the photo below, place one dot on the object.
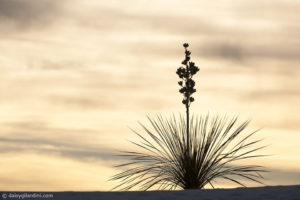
(75, 75)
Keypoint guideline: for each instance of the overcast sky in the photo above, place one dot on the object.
(76, 74)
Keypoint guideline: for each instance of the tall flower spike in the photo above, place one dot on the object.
(186, 73)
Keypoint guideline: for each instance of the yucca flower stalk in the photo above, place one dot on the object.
(187, 87)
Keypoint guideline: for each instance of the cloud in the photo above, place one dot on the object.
(284, 177)
(41, 137)
(30, 13)
(87, 102)
(243, 51)
(76, 151)
(224, 50)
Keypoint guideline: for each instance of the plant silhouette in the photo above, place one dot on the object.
(184, 153)
(187, 86)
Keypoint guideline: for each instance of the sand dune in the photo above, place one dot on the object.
(255, 193)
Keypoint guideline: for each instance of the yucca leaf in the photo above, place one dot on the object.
(162, 161)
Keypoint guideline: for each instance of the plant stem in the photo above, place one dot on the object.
(187, 131)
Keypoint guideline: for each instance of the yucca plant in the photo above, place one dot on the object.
(189, 153)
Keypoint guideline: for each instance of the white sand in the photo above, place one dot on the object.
(258, 193)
